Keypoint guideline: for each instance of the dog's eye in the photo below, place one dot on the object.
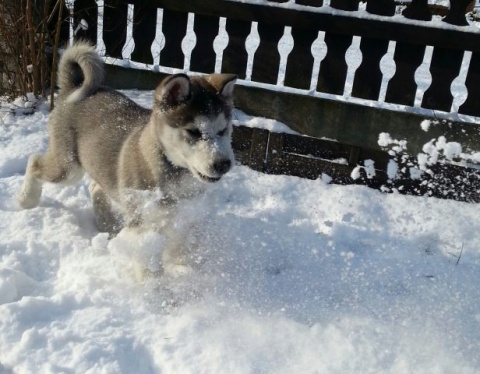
(222, 132)
(194, 133)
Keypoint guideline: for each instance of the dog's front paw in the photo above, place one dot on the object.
(29, 198)
(178, 270)
(143, 274)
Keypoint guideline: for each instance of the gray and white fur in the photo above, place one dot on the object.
(133, 155)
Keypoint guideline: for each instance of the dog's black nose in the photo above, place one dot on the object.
(221, 167)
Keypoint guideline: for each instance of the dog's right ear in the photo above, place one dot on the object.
(173, 91)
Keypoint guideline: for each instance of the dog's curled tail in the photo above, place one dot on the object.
(80, 72)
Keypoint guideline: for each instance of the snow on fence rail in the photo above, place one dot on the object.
(327, 69)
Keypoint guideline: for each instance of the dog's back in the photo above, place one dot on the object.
(95, 119)
(86, 129)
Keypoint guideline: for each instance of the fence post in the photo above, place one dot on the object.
(418, 9)
(456, 15)
(381, 7)
(344, 4)
(316, 3)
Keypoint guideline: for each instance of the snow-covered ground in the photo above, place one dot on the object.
(289, 276)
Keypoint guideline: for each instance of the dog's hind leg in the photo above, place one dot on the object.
(58, 165)
(47, 168)
(107, 220)
(29, 196)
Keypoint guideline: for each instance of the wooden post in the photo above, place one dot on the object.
(381, 7)
(456, 15)
(315, 3)
(418, 9)
(344, 4)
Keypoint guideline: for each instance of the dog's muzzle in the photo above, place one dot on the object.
(222, 167)
(219, 168)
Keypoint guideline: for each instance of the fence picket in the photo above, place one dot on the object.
(472, 82)
(458, 88)
(423, 76)
(159, 39)
(99, 25)
(129, 42)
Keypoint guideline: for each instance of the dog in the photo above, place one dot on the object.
(141, 162)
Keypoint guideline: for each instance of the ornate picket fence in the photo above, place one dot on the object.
(329, 70)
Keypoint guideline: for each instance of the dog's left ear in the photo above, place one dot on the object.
(223, 83)
(173, 90)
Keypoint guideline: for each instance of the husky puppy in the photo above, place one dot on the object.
(141, 162)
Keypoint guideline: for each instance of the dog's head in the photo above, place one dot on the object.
(193, 123)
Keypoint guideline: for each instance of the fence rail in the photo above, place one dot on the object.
(332, 71)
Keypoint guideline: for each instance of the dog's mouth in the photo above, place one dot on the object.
(208, 179)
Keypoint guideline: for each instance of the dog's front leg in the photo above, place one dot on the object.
(144, 213)
(107, 220)
(175, 257)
